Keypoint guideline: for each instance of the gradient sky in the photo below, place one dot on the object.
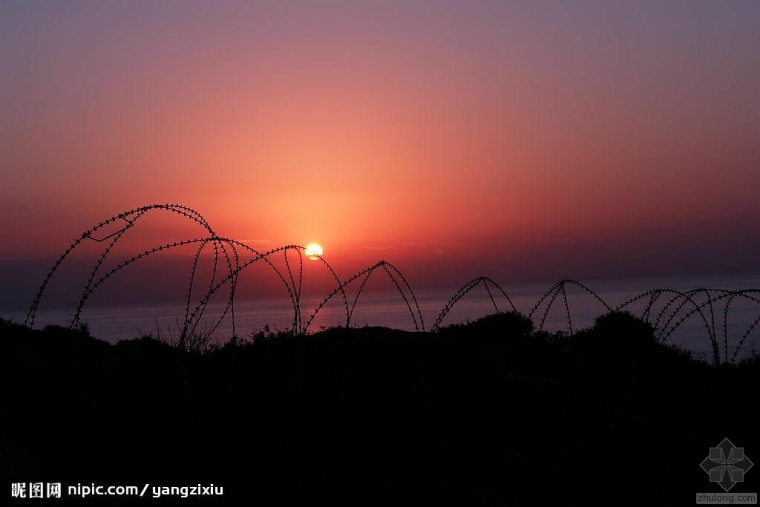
(521, 140)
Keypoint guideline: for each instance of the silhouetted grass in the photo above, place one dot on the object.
(489, 413)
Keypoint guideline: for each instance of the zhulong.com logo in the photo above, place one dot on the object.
(726, 464)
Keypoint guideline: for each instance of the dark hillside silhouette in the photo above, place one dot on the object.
(492, 412)
(488, 413)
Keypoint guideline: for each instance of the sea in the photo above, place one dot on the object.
(732, 321)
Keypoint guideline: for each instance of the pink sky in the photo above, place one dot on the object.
(521, 140)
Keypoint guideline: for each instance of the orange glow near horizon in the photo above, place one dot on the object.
(481, 133)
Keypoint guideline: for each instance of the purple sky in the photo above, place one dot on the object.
(525, 141)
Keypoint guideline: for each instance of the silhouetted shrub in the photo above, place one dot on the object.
(358, 416)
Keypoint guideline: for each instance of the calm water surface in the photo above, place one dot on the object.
(389, 309)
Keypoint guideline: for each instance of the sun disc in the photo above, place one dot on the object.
(313, 251)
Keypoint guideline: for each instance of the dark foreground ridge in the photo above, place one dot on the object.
(488, 413)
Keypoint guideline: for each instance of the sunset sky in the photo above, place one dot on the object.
(527, 141)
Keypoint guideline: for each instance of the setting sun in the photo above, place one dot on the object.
(313, 251)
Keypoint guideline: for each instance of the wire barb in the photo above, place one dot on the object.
(665, 309)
